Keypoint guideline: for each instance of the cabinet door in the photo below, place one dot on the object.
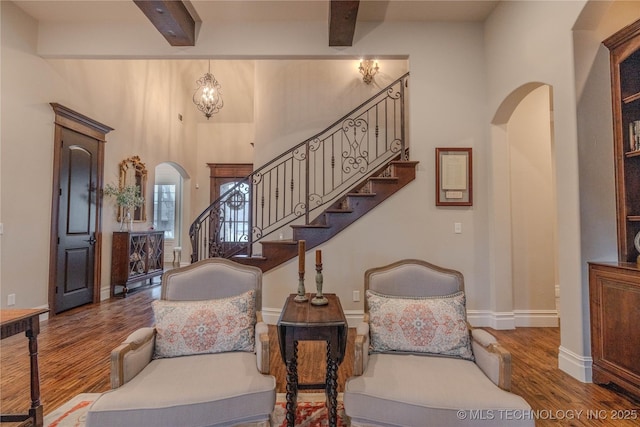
(625, 90)
(630, 140)
(137, 255)
(615, 315)
(156, 251)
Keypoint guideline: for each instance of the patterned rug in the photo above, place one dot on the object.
(311, 411)
(72, 413)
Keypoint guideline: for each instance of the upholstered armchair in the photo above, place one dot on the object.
(205, 362)
(417, 361)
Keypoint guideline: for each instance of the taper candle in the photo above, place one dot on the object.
(318, 257)
(301, 251)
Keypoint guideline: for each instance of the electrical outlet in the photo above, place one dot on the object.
(11, 299)
(356, 296)
(457, 227)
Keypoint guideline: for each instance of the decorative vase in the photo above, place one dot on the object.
(126, 222)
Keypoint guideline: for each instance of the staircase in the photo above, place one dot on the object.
(336, 218)
(336, 176)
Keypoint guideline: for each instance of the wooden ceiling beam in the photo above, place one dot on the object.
(342, 22)
(172, 19)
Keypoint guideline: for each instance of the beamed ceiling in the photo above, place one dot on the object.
(174, 21)
(178, 20)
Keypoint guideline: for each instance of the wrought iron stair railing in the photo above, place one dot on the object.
(306, 179)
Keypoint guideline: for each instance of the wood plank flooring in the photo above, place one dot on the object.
(74, 352)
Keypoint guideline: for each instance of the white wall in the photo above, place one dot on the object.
(295, 99)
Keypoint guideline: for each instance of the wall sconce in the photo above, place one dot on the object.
(368, 68)
(207, 96)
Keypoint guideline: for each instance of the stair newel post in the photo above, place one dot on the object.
(306, 183)
(250, 218)
(403, 153)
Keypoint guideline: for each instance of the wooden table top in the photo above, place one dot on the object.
(309, 315)
(13, 315)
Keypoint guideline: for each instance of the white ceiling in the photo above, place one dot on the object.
(112, 11)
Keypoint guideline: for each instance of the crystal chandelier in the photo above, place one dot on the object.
(207, 96)
(368, 68)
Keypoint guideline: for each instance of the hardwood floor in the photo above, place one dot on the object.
(74, 352)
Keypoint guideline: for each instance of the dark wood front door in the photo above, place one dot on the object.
(230, 228)
(74, 263)
(77, 220)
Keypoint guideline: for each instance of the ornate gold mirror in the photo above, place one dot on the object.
(134, 172)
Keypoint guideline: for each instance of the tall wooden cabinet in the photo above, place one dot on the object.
(135, 257)
(614, 287)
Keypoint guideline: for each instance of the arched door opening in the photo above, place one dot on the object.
(524, 204)
(168, 210)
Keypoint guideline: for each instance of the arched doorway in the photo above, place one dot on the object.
(524, 210)
(168, 212)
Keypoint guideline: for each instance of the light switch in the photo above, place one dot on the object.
(457, 227)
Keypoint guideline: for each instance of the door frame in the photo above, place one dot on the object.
(225, 171)
(67, 118)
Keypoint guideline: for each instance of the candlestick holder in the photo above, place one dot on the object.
(302, 295)
(319, 299)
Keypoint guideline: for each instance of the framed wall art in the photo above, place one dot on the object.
(454, 181)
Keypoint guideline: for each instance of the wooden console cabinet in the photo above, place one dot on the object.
(136, 256)
(614, 290)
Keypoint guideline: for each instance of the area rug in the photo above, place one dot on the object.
(311, 411)
(72, 413)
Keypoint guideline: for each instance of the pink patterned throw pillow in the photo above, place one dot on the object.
(212, 326)
(435, 325)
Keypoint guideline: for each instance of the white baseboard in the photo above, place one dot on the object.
(44, 316)
(477, 318)
(579, 367)
(513, 319)
(490, 319)
(271, 316)
(536, 318)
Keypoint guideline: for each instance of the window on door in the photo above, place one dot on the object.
(235, 224)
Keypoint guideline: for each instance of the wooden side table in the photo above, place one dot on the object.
(13, 322)
(302, 321)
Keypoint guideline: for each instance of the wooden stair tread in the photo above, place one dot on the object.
(361, 194)
(337, 210)
(281, 242)
(247, 257)
(384, 178)
(310, 226)
(404, 162)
